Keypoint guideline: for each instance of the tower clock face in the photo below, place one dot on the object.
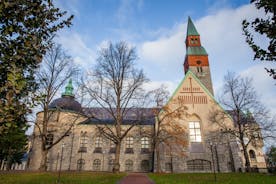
(198, 62)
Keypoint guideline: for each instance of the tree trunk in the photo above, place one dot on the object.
(157, 147)
(246, 157)
(9, 164)
(116, 168)
(43, 162)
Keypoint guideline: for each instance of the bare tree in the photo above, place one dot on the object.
(169, 133)
(57, 67)
(252, 122)
(116, 86)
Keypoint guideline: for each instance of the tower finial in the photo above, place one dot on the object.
(69, 89)
(191, 30)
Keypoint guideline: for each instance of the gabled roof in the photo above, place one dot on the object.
(191, 30)
(185, 78)
(190, 73)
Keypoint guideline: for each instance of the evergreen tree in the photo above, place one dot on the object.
(13, 146)
(27, 28)
(271, 156)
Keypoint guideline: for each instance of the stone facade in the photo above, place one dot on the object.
(85, 149)
(207, 149)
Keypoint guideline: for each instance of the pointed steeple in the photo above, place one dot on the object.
(191, 30)
(196, 58)
(68, 89)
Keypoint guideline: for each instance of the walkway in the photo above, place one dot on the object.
(136, 178)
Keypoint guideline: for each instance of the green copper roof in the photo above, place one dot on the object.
(191, 30)
(198, 50)
(69, 89)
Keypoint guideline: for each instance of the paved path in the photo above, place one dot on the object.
(136, 178)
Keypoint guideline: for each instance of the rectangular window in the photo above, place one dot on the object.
(98, 142)
(195, 133)
(129, 142)
(83, 141)
(145, 142)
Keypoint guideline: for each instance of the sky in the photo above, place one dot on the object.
(157, 29)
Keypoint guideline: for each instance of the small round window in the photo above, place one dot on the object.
(198, 62)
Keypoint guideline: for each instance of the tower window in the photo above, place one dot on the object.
(199, 68)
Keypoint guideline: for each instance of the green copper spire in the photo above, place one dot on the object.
(69, 89)
(191, 30)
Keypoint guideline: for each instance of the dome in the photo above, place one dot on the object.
(67, 100)
(66, 103)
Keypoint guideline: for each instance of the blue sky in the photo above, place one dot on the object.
(157, 29)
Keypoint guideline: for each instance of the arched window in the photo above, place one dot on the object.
(129, 165)
(252, 155)
(97, 165)
(80, 164)
(199, 66)
(145, 165)
(195, 133)
(111, 164)
(168, 167)
(199, 165)
(192, 41)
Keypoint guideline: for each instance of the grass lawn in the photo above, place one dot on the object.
(66, 178)
(109, 178)
(208, 178)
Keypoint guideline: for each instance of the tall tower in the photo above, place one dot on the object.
(196, 59)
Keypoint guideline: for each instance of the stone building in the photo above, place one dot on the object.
(85, 149)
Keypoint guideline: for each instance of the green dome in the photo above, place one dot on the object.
(69, 89)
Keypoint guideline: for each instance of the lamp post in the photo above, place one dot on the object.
(62, 146)
(211, 147)
(217, 158)
(103, 161)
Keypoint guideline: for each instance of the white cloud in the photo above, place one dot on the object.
(152, 85)
(263, 83)
(75, 46)
(221, 35)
